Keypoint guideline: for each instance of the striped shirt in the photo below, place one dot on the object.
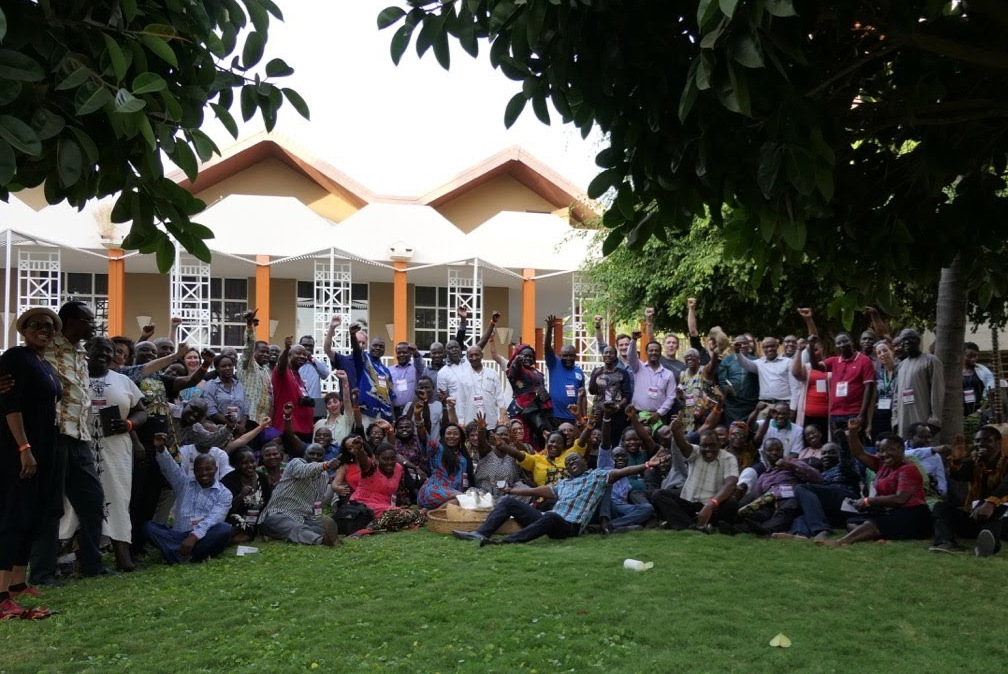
(302, 485)
(74, 411)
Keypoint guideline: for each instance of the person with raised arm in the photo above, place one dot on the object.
(670, 345)
(566, 379)
(254, 372)
(289, 388)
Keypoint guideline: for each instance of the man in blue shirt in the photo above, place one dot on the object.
(566, 380)
(577, 499)
(201, 504)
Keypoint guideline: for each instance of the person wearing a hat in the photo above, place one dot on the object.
(27, 446)
(74, 465)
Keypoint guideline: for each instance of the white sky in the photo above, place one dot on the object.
(399, 130)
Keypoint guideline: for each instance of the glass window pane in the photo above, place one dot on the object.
(101, 284)
(235, 289)
(426, 319)
(215, 287)
(442, 296)
(233, 311)
(78, 284)
(234, 335)
(215, 334)
(305, 290)
(359, 291)
(424, 296)
(423, 339)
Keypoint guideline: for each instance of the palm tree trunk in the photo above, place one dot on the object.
(951, 333)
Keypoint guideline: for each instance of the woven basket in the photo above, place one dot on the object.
(452, 517)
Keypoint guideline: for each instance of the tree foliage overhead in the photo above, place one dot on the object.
(866, 138)
(91, 93)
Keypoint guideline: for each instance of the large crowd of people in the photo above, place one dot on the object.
(140, 446)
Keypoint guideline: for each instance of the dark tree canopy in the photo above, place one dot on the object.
(866, 138)
(91, 93)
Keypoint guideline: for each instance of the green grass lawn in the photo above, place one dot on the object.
(423, 602)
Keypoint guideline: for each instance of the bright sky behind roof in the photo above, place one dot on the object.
(399, 130)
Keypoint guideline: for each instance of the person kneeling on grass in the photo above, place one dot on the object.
(201, 504)
(294, 511)
(577, 498)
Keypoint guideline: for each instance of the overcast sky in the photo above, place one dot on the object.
(400, 130)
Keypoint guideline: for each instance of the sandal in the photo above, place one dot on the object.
(10, 609)
(29, 590)
(37, 613)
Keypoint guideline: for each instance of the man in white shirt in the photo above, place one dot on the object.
(774, 372)
(478, 390)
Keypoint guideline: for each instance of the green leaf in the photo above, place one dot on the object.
(88, 145)
(9, 91)
(165, 252)
(125, 102)
(69, 162)
(47, 124)
(8, 163)
(147, 132)
(20, 136)
(612, 242)
(706, 10)
(704, 70)
(159, 47)
(441, 51)
(116, 57)
(400, 41)
(625, 202)
(91, 98)
(74, 79)
(294, 98)
(744, 49)
(824, 182)
(225, 118)
(249, 102)
(129, 9)
(3, 32)
(185, 159)
(252, 52)
(389, 16)
(147, 83)
(601, 183)
(540, 109)
(278, 68)
(205, 147)
(794, 233)
(18, 67)
(780, 7)
(769, 167)
(513, 109)
(728, 7)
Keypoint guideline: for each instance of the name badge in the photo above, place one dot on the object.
(786, 491)
(691, 401)
(232, 410)
(401, 385)
(98, 403)
(841, 389)
(969, 396)
(194, 521)
(478, 400)
(885, 403)
(907, 396)
(381, 382)
(652, 392)
(571, 391)
(820, 386)
(317, 508)
(251, 517)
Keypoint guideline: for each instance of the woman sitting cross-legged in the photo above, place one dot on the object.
(381, 478)
(898, 509)
(250, 492)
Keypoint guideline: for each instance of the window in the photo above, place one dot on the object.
(306, 309)
(92, 289)
(228, 304)
(431, 323)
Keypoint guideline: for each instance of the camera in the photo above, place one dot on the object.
(306, 401)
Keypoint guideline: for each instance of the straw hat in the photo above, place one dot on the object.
(23, 319)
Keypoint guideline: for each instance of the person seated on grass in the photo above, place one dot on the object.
(638, 444)
(448, 462)
(294, 446)
(811, 453)
(577, 499)
(921, 446)
(706, 496)
(778, 427)
(982, 514)
(294, 511)
(898, 510)
(250, 492)
(209, 444)
(271, 463)
(548, 467)
(616, 513)
(819, 504)
(201, 506)
(496, 468)
(774, 508)
(383, 481)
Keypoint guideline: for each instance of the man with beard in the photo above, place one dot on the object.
(851, 384)
(920, 387)
(566, 380)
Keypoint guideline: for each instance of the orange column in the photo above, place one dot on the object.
(528, 318)
(262, 297)
(642, 342)
(399, 323)
(116, 292)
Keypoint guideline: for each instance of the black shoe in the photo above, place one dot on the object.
(629, 527)
(103, 571)
(986, 544)
(492, 541)
(468, 535)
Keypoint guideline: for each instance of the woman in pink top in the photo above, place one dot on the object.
(898, 509)
(380, 480)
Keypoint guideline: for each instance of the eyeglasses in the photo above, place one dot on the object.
(39, 325)
(84, 319)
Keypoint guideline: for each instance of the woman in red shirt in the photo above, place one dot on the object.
(898, 509)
